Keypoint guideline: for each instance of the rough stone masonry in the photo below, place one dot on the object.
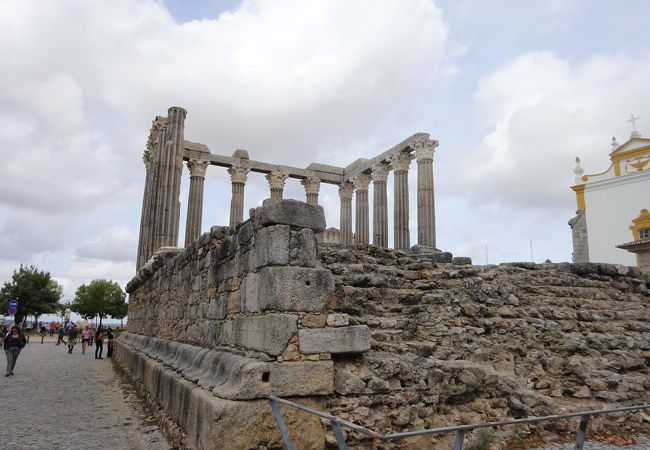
(391, 340)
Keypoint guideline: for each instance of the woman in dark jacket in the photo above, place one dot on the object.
(99, 341)
(14, 343)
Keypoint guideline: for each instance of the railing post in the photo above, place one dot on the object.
(458, 443)
(582, 431)
(340, 439)
(281, 425)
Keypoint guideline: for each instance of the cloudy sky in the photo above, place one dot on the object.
(513, 90)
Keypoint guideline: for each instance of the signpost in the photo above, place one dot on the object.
(13, 308)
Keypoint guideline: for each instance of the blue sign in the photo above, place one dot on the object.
(13, 304)
(12, 311)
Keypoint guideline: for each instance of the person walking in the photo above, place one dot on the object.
(61, 336)
(111, 343)
(85, 338)
(13, 344)
(43, 332)
(72, 337)
(99, 342)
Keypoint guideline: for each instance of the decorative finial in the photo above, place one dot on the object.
(615, 144)
(634, 132)
(578, 171)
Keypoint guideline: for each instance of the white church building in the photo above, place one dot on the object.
(611, 206)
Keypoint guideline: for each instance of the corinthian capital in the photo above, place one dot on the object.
(361, 182)
(276, 180)
(401, 161)
(345, 191)
(197, 168)
(424, 149)
(238, 174)
(311, 184)
(380, 172)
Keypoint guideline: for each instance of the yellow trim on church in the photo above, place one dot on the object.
(620, 160)
(580, 196)
(643, 221)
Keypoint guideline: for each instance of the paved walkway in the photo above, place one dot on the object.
(57, 400)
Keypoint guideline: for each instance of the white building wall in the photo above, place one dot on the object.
(610, 207)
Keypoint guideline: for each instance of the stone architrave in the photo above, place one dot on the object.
(362, 228)
(195, 200)
(400, 162)
(345, 194)
(238, 176)
(168, 167)
(312, 188)
(426, 200)
(380, 205)
(276, 183)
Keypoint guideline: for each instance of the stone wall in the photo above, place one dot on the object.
(391, 340)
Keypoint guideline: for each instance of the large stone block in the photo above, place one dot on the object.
(287, 289)
(269, 334)
(271, 247)
(352, 339)
(291, 212)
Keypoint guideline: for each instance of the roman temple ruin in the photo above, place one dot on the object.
(390, 338)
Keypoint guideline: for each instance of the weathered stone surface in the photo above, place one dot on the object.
(287, 289)
(269, 334)
(291, 212)
(271, 247)
(352, 339)
(197, 410)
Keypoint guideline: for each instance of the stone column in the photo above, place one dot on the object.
(426, 201)
(151, 159)
(238, 175)
(168, 185)
(276, 183)
(362, 228)
(195, 200)
(144, 216)
(312, 188)
(400, 162)
(380, 205)
(345, 194)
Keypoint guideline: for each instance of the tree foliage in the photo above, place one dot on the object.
(100, 298)
(37, 293)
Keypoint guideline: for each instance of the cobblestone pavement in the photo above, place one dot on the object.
(57, 400)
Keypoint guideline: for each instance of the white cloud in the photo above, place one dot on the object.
(541, 111)
(291, 81)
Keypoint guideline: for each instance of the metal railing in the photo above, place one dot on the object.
(337, 423)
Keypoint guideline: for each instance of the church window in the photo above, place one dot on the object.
(644, 233)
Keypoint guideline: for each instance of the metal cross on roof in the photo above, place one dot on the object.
(632, 120)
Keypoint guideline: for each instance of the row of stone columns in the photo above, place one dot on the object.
(399, 163)
(161, 208)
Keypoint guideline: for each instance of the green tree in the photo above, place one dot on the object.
(37, 293)
(100, 298)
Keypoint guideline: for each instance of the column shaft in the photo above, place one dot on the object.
(194, 210)
(379, 214)
(312, 199)
(361, 215)
(237, 204)
(401, 213)
(277, 193)
(426, 204)
(169, 182)
(345, 194)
